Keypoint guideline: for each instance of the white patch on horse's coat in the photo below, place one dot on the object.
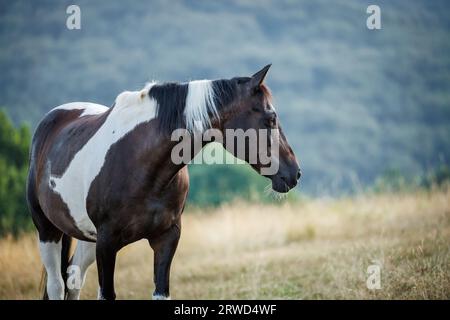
(83, 257)
(51, 258)
(87, 107)
(130, 110)
(160, 297)
(199, 101)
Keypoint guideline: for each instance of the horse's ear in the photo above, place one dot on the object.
(258, 78)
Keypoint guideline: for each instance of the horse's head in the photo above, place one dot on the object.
(252, 108)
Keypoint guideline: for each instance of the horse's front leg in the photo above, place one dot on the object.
(164, 248)
(106, 251)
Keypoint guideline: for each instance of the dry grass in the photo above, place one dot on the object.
(317, 249)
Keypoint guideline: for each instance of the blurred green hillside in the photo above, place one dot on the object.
(354, 103)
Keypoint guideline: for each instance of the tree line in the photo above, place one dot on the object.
(14, 145)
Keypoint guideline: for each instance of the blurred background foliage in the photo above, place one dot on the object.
(14, 145)
(363, 110)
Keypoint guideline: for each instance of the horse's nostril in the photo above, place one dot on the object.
(299, 174)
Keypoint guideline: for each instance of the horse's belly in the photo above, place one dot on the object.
(85, 225)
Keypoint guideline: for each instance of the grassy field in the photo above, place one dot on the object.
(316, 249)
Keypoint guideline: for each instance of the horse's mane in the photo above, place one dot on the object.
(266, 91)
(193, 104)
(171, 99)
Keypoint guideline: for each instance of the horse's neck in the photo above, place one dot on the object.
(166, 166)
(134, 112)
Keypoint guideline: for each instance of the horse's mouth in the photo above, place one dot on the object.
(280, 186)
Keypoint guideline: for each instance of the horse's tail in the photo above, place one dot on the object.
(43, 285)
(65, 260)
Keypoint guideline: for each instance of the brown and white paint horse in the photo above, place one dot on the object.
(104, 176)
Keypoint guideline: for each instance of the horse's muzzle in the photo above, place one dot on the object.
(284, 182)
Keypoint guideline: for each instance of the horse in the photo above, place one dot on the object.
(104, 176)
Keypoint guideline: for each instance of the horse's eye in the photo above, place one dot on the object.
(271, 120)
(256, 109)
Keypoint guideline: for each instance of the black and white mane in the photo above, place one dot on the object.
(191, 104)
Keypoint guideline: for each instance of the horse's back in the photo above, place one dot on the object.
(64, 114)
(54, 122)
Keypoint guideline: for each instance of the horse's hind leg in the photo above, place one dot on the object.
(83, 257)
(53, 246)
(51, 257)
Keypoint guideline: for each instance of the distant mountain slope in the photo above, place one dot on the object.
(353, 102)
